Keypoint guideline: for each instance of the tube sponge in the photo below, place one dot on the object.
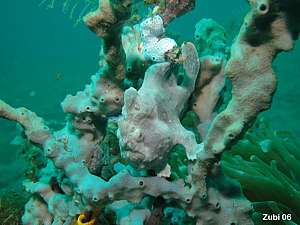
(210, 40)
(34, 127)
(36, 212)
(264, 34)
(171, 9)
(104, 19)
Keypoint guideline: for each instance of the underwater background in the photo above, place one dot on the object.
(44, 57)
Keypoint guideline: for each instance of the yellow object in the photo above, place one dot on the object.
(82, 217)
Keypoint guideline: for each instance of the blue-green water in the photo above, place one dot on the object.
(43, 57)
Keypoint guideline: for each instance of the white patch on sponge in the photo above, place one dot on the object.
(154, 45)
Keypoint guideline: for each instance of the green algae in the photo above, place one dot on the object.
(267, 164)
(190, 121)
(11, 207)
(178, 162)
